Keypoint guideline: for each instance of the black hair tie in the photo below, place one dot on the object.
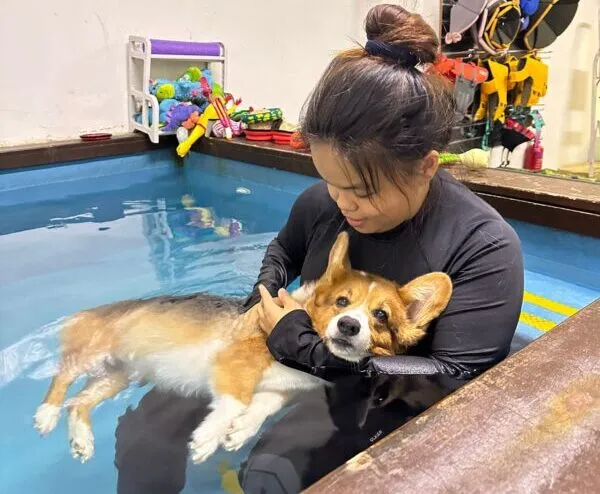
(400, 54)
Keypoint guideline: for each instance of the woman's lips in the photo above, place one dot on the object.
(354, 222)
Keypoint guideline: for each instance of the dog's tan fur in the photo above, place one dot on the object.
(200, 343)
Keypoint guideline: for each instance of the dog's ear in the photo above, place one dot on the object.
(426, 297)
(339, 262)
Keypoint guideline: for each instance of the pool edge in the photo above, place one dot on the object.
(526, 197)
(499, 433)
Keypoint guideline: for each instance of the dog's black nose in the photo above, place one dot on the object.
(348, 326)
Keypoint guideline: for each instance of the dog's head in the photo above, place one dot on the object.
(359, 314)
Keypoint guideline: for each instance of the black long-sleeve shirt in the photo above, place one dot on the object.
(455, 232)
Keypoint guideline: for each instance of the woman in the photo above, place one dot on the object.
(375, 122)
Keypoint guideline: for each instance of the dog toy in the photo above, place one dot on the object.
(296, 142)
(163, 109)
(219, 130)
(219, 105)
(199, 130)
(229, 479)
(473, 158)
(183, 115)
(185, 88)
(260, 123)
(258, 119)
(220, 109)
(180, 90)
(192, 74)
(283, 131)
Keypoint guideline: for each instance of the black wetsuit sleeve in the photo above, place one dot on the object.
(477, 327)
(294, 343)
(472, 335)
(285, 254)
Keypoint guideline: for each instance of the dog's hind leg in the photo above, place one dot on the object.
(95, 392)
(84, 346)
(211, 432)
(237, 371)
(47, 415)
(246, 425)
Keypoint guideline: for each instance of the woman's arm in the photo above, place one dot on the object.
(472, 335)
(294, 343)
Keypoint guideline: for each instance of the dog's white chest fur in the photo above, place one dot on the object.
(186, 370)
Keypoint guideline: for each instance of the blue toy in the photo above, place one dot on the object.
(164, 108)
(183, 89)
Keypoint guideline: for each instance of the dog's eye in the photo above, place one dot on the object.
(380, 315)
(342, 302)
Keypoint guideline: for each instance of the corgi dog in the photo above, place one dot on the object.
(205, 344)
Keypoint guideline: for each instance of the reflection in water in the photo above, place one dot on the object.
(92, 241)
(194, 249)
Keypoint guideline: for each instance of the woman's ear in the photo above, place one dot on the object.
(431, 163)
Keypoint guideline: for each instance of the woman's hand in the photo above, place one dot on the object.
(272, 310)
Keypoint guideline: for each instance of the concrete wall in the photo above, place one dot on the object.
(63, 66)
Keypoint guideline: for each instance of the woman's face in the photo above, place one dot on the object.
(388, 207)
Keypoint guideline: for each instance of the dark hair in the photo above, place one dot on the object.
(382, 112)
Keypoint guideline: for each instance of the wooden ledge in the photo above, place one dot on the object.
(63, 152)
(530, 424)
(557, 203)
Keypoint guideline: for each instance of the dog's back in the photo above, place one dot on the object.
(138, 327)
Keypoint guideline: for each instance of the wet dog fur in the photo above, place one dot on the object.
(204, 344)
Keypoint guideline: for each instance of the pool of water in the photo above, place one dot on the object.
(82, 235)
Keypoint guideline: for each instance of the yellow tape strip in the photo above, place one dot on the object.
(537, 322)
(545, 303)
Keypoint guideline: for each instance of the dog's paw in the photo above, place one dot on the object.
(45, 418)
(81, 440)
(242, 429)
(201, 449)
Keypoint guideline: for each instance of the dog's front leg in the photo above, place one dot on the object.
(246, 425)
(212, 431)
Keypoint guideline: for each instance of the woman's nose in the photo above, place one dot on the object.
(345, 201)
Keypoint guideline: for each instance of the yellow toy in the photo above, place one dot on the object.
(474, 158)
(210, 113)
(229, 479)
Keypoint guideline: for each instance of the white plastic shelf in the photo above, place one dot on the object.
(140, 49)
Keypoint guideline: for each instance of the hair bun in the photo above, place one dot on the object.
(403, 31)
